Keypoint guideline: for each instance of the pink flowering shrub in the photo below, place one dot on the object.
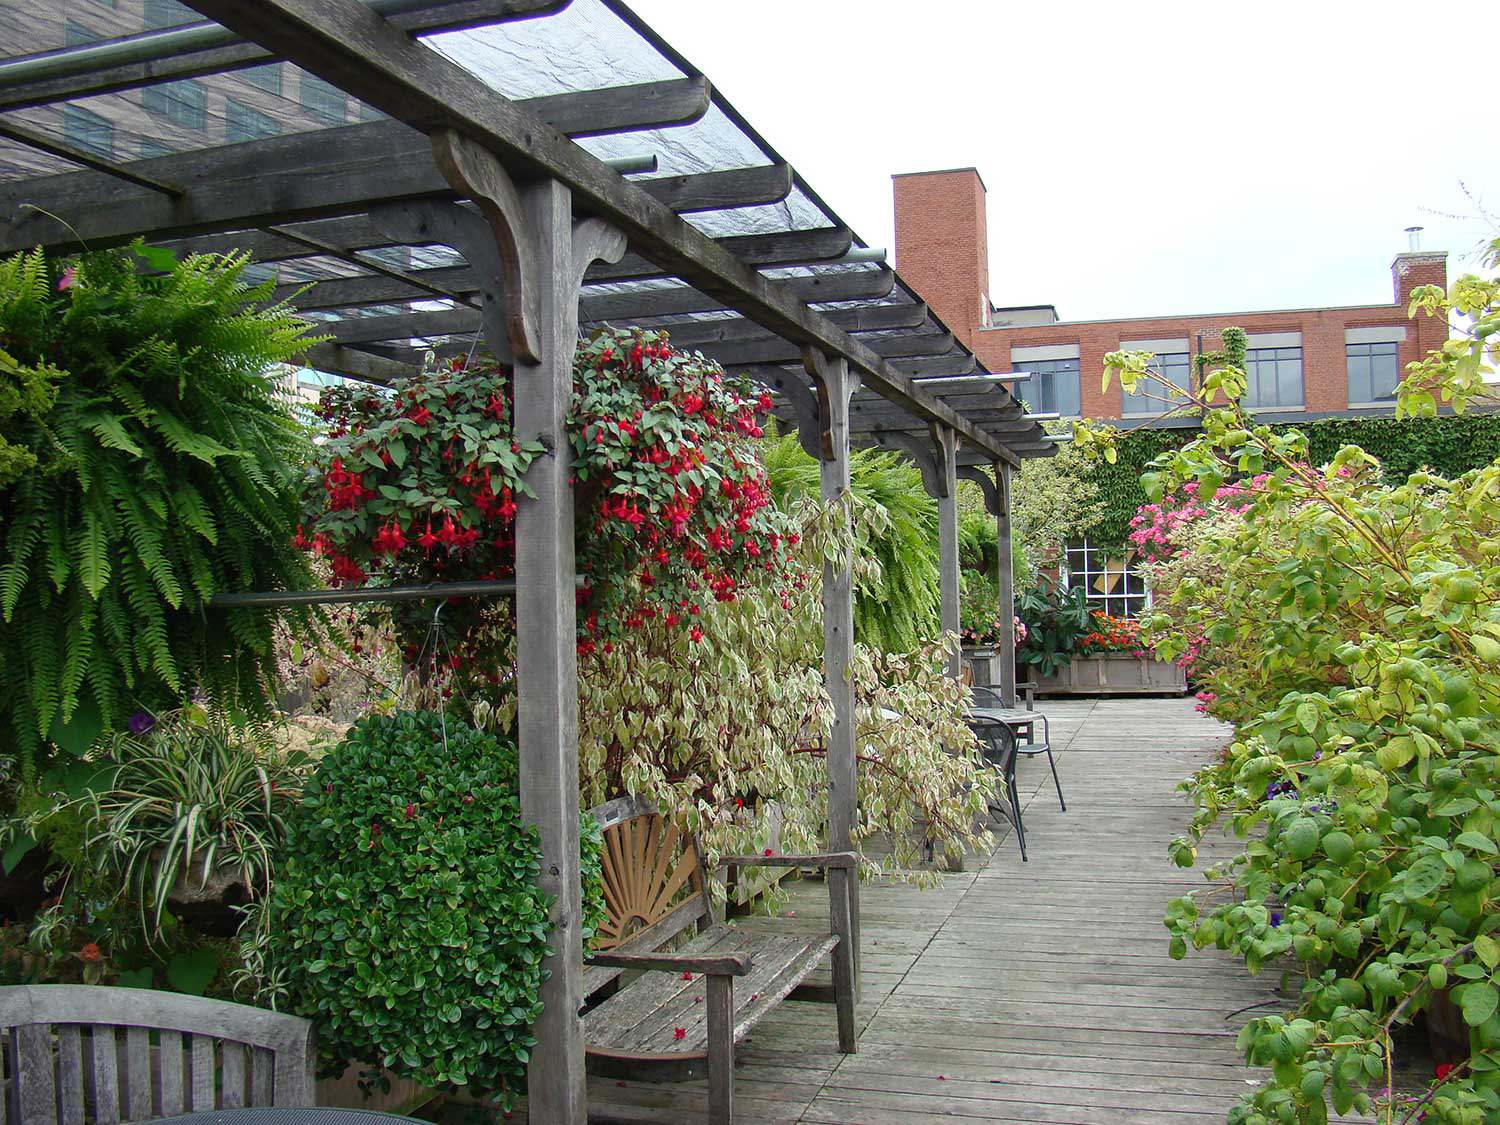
(1155, 528)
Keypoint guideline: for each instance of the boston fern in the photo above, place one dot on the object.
(162, 468)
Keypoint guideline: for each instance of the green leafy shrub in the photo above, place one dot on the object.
(1349, 628)
(1056, 621)
(159, 469)
(407, 918)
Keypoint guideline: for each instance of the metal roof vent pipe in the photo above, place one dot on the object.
(1413, 239)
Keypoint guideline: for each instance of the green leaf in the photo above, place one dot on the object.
(1301, 839)
(135, 978)
(193, 972)
(22, 844)
(158, 258)
(1476, 841)
(1487, 950)
(1479, 1002)
(1423, 878)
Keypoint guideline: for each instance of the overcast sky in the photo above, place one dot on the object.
(1141, 159)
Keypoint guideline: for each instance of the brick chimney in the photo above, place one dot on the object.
(1410, 271)
(942, 245)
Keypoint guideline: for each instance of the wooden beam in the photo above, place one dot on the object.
(368, 368)
(449, 322)
(345, 43)
(869, 318)
(342, 171)
(441, 15)
(772, 350)
(43, 142)
(357, 232)
(1007, 583)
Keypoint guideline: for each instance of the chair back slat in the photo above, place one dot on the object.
(37, 1100)
(262, 1074)
(103, 1063)
(70, 1074)
(84, 1054)
(232, 1072)
(137, 1073)
(169, 1068)
(201, 1048)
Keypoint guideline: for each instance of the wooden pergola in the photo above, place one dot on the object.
(528, 168)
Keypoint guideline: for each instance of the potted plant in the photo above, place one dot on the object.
(1074, 650)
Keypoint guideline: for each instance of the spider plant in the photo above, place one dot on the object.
(192, 801)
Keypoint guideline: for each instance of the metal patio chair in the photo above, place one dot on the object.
(987, 699)
(997, 743)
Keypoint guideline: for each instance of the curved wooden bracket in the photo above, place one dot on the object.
(473, 171)
(464, 229)
(986, 485)
(594, 240)
(803, 402)
(816, 364)
(923, 453)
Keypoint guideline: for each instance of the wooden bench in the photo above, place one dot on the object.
(696, 1000)
(79, 1052)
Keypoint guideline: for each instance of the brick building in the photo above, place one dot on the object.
(1303, 363)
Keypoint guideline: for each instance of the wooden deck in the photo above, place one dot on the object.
(1037, 992)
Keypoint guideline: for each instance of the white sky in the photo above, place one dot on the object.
(1142, 159)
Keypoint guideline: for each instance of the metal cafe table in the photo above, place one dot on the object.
(1017, 727)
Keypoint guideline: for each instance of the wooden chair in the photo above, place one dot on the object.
(78, 1052)
(686, 1007)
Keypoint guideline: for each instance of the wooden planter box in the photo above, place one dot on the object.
(984, 662)
(1114, 674)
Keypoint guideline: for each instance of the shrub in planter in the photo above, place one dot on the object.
(151, 467)
(407, 919)
(1056, 620)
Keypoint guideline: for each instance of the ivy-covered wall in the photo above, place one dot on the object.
(1450, 445)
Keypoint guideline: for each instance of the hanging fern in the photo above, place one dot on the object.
(900, 609)
(156, 466)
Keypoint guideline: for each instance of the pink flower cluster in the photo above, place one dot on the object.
(1153, 528)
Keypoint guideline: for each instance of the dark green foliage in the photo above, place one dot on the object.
(164, 471)
(407, 914)
(1450, 445)
(1054, 621)
(901, 609)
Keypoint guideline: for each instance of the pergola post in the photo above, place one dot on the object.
(831, 379)
(1006, 582)
(946, 442)
(532, 256)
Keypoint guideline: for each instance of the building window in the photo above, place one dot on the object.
(88, 131)
(1109, 579)
(323, 100)
(169, 13)
(1156, 395)
(1275, 378)
(1053, 387)
(242, 123)
(182, 103)
(1374, 371)
(268, 77)
(152, 148)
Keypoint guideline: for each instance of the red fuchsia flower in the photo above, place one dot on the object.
(91, 952)
(66, 280)
(1443, 1070)
(687, 976)
(411, 812)
(695, 634)
(420, 415)
(769, 852)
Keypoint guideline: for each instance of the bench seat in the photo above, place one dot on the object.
(639, 1023)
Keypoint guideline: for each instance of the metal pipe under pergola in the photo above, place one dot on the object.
(515, 172)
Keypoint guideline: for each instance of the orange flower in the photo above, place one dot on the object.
(91, 953)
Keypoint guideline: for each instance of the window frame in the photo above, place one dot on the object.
(1369, 355)
(74, 116)
(1254, 375)
(1051, 368)
(1130, 602)
(167, 101)
(267, 125)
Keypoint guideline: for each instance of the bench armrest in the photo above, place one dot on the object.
(721, 965)
(832, 859)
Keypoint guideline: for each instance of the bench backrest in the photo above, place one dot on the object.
(654, 882)
(78, 1052)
